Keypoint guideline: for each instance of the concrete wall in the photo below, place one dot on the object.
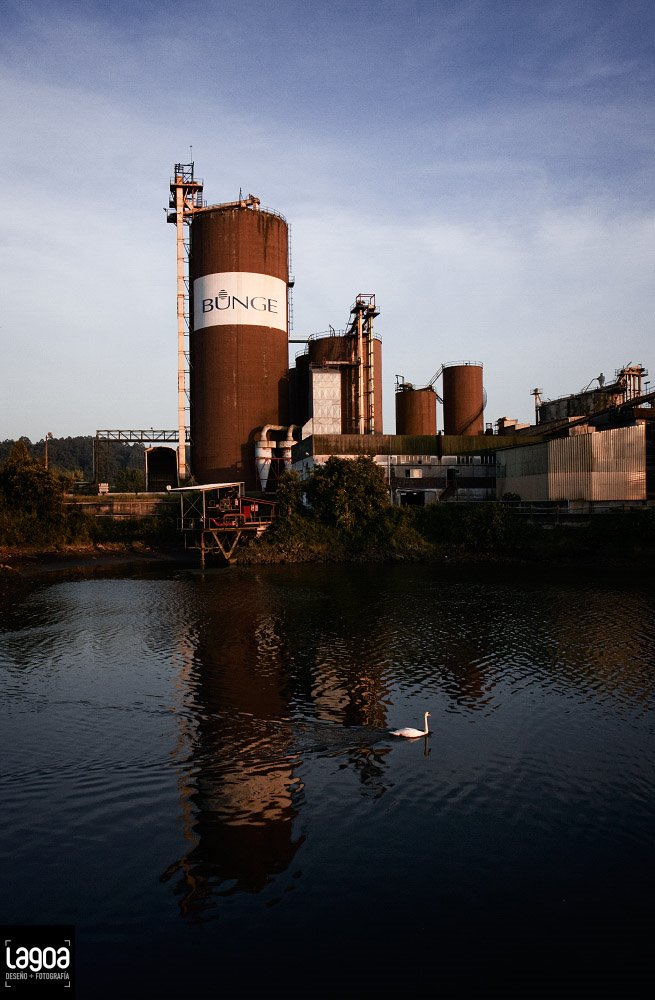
(122, 506)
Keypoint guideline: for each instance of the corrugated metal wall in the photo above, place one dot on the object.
(619, 458)
(605, 465)
(570, 463)
(325, 400)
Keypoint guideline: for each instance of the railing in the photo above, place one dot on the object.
(229, 522)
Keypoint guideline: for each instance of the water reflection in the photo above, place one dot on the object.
(238, 787)
(260, 687)
(229, 736)
(281, 668)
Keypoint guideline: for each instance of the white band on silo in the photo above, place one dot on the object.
(239, 298)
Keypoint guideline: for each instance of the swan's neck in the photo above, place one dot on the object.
(425, 724)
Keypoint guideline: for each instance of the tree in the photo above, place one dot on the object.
(348, 493)
(130, 481)
(29, 490)
(289, 495)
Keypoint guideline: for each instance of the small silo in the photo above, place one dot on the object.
(333, 352)
(416, 410)
(238, 343)
(338, 352)
(463, 398)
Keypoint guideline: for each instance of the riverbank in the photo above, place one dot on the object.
(473, 539)
(26, 565)
(27, 562)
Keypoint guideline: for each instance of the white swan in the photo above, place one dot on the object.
(410, 734)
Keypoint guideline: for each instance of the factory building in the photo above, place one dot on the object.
(595, 447)
(599, 445)
(420, 469)
(421, 465)
(336, 383)
(605, 465)
(248, 415)
(626, 387)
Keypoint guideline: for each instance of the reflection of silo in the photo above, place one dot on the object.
(463, 398)
(240, 796)
(416, 410)
(239, 273)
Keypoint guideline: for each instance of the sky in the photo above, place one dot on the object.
(485, 167)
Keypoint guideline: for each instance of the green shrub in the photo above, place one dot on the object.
(474, 527)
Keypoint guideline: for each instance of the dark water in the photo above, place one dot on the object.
(196, 772)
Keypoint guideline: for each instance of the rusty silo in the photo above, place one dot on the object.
(359, 414)
(376, 422)
(463, 398)
(238, 344)
(416, 410)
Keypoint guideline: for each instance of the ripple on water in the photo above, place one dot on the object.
(194, 749)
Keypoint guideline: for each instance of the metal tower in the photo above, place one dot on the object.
(185, 199)
(361, 328)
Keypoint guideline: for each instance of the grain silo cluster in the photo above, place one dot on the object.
(246, 413)
(247, 406)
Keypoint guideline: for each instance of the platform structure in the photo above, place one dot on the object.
(216, 518)
(102, 445)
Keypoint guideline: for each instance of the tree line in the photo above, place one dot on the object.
(34, 511)
(343, 511)
(72, 459)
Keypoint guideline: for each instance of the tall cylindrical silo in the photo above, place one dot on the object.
(463, 398)
(416, 410)
(239, 276)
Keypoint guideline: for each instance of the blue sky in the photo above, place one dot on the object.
(485, 167)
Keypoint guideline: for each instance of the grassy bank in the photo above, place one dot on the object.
(481, 532)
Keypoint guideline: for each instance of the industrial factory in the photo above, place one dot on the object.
(245, 413)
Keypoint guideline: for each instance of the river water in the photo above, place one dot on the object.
(197, 774)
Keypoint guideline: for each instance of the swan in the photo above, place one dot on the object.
(410, 734)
